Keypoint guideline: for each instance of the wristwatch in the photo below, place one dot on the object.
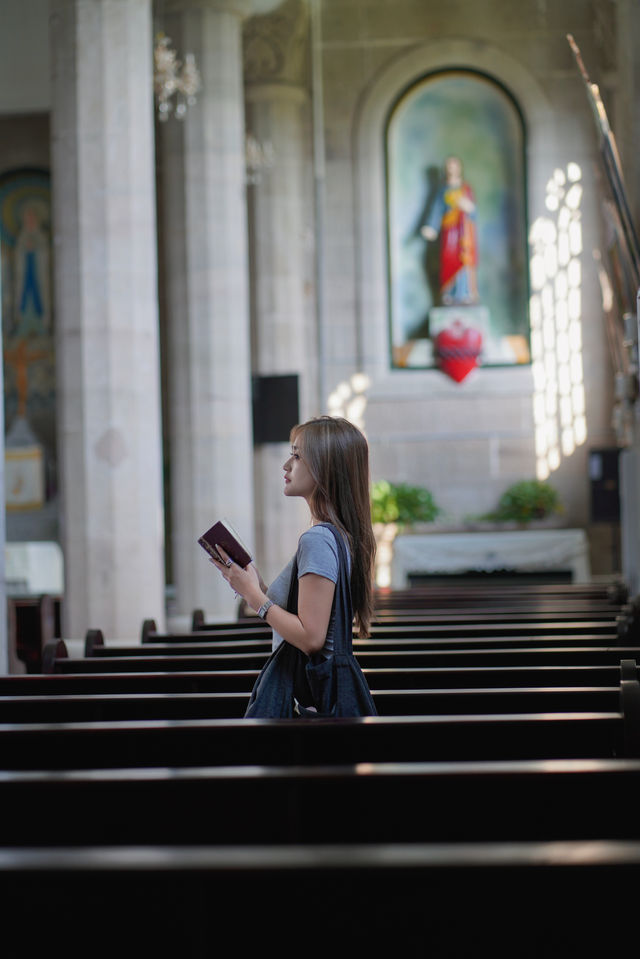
(262, 612)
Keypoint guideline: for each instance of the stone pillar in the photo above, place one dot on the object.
(109, 436)
(629, 468)
(4, 639)
(281, 234)
(626, 129)
(624, 65)
(204, 239)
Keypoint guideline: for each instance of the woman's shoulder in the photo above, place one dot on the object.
(317, 535)
(322, 539)
(318, 553)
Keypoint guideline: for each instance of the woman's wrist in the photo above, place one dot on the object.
(256, 600)
(264, 609)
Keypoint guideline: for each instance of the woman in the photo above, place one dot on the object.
(331, 572)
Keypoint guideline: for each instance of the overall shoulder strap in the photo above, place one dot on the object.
(292, 599)
(343, 633)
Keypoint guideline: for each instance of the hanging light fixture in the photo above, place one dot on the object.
(175, 84)
(259, 157)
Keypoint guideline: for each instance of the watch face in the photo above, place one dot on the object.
(262, 612)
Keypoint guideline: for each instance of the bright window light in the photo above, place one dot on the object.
(556, 322)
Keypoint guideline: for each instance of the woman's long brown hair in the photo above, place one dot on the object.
(337, 455)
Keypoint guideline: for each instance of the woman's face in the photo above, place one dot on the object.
(298, 480)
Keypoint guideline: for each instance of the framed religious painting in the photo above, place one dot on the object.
(457, 226)
(28, 338)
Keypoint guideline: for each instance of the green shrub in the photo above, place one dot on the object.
(402, 504)
(526, 501)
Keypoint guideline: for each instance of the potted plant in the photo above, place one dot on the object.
(402, 504)
(526, 501)
(394, 508)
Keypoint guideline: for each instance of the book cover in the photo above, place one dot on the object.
(223, 534)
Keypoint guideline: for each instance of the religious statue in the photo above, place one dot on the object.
(452, 218)
(33, 307)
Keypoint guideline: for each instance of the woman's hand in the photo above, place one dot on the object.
(306, 629)
(244, 582)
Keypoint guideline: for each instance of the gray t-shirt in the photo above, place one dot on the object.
(317, 553)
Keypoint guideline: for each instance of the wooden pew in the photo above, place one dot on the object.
(445, 626)
(601, 600)
(440, 614)
(213, 645)
(417, 626)
(175, 744)
(428, 828)
(233, 741)
(56, 659)
(554, 800)
(472, 677)
(510, 607)
(488, 594)
(457, 706)
(221, 705)
(386, 898)
(224, 694)
(32, 621)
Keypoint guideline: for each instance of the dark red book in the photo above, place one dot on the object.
(222, 534)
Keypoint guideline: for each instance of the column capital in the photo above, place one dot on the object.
(276, 92)
(241, 8)
(244, 8)
(276, 45)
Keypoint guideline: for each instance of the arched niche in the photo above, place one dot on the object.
(456, 220)
(370, 176)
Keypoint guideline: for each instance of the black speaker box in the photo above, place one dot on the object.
(605, 491)
(275, 407)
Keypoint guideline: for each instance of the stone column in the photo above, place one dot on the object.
(281, 233)
(624, 64)
(204, 240)
(4, 639)
(109, 437)
(626, 128)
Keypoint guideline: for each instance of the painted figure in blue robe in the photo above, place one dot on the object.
(31, 258)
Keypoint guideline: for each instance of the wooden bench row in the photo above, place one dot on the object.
(503, 723)
(260, 744)
(510, 631)
(57, 660)
(420, 818)
(232, 704)
(428, 678)
(487, 593)
(224, 643)
(399, 690)
(413, 802)
(532, 899)
(32, 622)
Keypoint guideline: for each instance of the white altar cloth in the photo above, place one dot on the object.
(33, 568)
(513, 550)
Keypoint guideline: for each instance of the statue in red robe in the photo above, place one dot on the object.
(452, 218)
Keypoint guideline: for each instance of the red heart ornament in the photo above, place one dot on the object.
(457, 350)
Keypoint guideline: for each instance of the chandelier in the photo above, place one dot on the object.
(259, 156)
(175, 84)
